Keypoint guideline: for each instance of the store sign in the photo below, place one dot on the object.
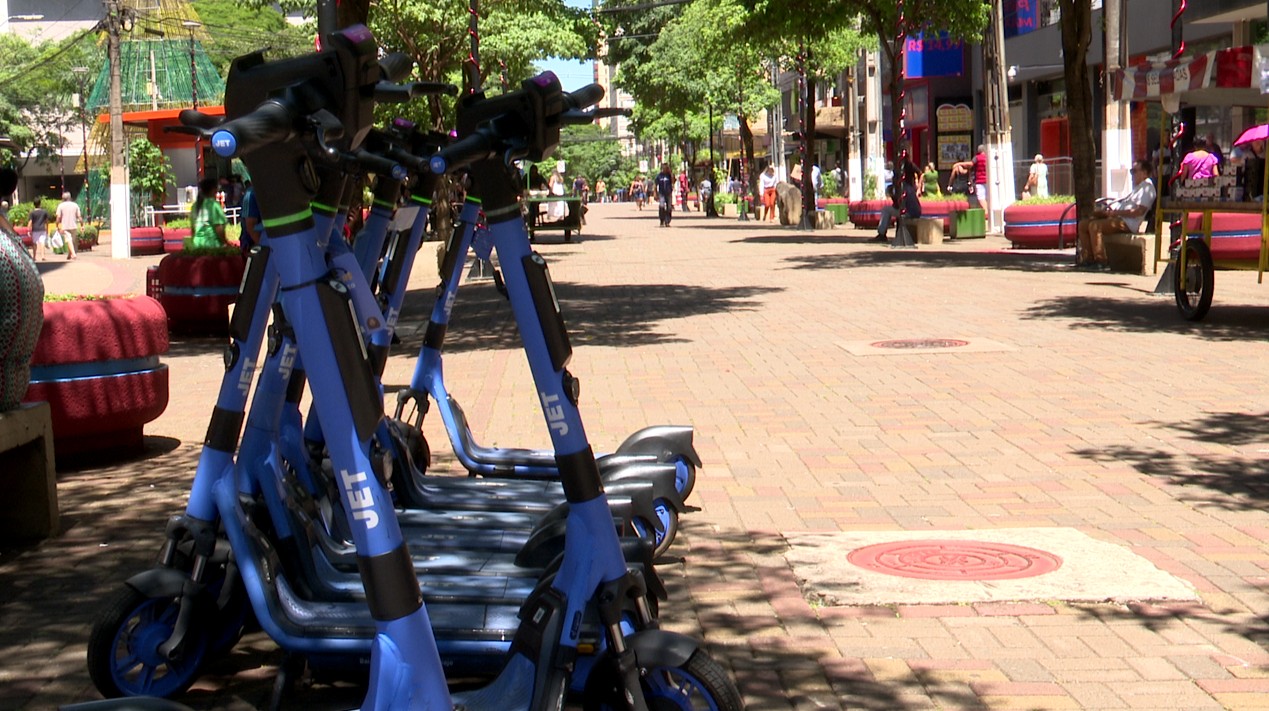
(954, 118)
(937, 56)
(1020, 17)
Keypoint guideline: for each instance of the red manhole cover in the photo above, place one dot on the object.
(921, 343)
(954, 560)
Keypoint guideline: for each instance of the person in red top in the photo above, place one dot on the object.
(978, 171)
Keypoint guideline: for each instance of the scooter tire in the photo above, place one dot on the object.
(661, 540)
(123, 656)
(699, 683)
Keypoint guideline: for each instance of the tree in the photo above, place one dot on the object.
(149, 173)
(588, 150)
(961, 19)
(36, 91)
(238, 28)
(1077, 35)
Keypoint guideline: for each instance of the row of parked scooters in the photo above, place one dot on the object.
(537, 573)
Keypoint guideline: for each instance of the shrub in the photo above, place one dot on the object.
(1050, 200)
(177, 224)
(20, 213)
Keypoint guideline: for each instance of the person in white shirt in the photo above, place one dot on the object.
(1123, 215)
(68, 218)
(1038, 178)
(767, 183)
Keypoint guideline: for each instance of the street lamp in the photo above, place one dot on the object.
(191, 25)
(82, 72)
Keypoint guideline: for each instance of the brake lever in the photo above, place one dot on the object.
(324, 123)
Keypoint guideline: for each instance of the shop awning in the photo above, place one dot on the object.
(1226, 77)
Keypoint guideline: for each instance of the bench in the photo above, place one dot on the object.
(1130, 253)
(926, 230)
(27, 471)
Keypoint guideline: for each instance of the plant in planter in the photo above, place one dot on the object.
(175, 232)
(198, 286)
(1041, 222)
(97, 365)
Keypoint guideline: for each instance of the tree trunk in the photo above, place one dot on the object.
(749, 176)
(1077, 33)
(895, 54)
(808, 143)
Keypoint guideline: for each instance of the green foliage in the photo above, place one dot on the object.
(236, 28)
(20, 214)
(514, 35)
(149, 171)
(37, 86)
(1050, 200)
(189, 250)
(57, 298)
(830, 184)
(177, 224)
(588, 150)
(870, 186)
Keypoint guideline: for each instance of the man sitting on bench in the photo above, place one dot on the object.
(1122, 215)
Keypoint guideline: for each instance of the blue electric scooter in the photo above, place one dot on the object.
(405, 668)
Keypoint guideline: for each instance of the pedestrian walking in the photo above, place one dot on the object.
(68, 223)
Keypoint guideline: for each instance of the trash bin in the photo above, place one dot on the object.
(969, 223)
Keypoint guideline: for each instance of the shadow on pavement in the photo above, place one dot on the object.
(1152, 315)
(1224, 482)
(1228, 428)
(884, 256)
(614, 315)
(735, 579)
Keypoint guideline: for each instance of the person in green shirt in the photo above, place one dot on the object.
(208, 216)
(931, 179)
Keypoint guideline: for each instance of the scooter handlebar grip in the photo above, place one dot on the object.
(271, 122)
(422, 88)
(194, 118)
(585, 97)
(380, 165)
(396, 66)
(463, 152)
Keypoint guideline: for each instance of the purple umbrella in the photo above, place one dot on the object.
(1255, 133)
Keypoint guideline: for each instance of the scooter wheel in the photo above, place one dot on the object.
(123, 649)
(684, 477)
(699, 683)
(664, 538)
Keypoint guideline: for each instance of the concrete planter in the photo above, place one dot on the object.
(866, 214)
(1235, 236)
(1050, 226)
(198, 290)
(97, 365)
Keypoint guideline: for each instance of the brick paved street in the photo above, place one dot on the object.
(1097, 408)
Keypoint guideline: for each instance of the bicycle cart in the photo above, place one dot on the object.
(1219, 228)
(538, 220)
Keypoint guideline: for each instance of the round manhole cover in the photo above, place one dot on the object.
(954, 560)
(913, 343)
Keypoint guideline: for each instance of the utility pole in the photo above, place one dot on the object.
(1000, 183)
(120, 203)
(82, 73)
(193, 88)
(1117, 136)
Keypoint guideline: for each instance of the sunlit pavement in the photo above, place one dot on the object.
(1078, 402)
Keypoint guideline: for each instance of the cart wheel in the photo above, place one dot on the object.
(568, 235)
(1196, 298)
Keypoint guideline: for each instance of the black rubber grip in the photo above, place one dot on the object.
(610, 112)
(422, 88)
(271, 122)
(396, 66)
(379, 165)
(584, 97)
(389, 93)
(464, 152)
(197, 119)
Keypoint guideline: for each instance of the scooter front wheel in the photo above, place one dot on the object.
(699, 684)
(123, 651)
(661, 539)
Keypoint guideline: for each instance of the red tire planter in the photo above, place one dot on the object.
(147, 240)
(197, 291)
(941, 209)
(174, 238)
(1051, 226)
(25, 233)
(97, 365)
(1234, 235)
(866, 214)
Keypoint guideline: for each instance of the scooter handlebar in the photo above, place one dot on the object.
(479, 144)
(585, 97)
(396, 66)
(271, 122)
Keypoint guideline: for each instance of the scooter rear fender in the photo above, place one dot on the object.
(666, 442)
